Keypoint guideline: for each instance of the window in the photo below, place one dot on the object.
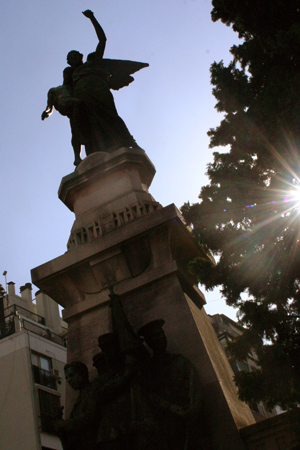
(48, 402)
(41, 366)
(41, 361)
(242, 365)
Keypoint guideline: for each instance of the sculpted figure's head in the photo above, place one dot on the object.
(154, 335)
(109, 345)
(99, 362)
(76, 374)
(74, 58)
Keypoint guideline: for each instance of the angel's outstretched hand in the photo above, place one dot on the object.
(88, 13)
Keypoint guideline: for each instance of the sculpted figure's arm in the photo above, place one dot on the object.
(50, 104)
(99, 31)
(84, 419)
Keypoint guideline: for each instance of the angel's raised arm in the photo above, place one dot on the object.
(99, 31)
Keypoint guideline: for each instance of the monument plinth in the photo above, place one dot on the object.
(106, 191)
(123, 238)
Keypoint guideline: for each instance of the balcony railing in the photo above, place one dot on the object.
(43, 377)
(43, 331)
(17, 318)
(13, 309)
(7, 327)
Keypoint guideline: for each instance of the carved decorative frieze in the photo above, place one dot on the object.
(103, 225)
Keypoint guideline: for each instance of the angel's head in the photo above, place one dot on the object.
(74, 58)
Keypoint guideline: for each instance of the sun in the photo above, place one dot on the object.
(291, 202)
(294, 195)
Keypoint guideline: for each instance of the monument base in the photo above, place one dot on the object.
(122, 238)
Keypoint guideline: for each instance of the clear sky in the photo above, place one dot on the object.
(168, 108)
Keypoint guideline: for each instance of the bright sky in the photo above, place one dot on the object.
(169, 109)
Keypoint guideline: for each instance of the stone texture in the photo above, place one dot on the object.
(275, 433)
(107, 191)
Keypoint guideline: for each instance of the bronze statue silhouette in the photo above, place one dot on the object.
(176, 395)
(79, 431)
(85, 98)
(128, 422)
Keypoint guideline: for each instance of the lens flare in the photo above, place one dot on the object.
(294, 195)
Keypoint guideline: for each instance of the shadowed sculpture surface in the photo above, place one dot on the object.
(136, 402)
(79, 431)
(177, 396)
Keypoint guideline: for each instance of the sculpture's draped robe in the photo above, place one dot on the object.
(104, 128)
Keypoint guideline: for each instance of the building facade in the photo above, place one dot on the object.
(32, 356)
(227, 330)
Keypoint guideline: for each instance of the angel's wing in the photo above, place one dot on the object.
(121, 71)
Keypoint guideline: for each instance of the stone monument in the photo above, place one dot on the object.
(123, 239)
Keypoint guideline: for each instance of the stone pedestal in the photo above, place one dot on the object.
(122, 237)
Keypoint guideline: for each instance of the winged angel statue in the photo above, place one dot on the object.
(85, 98)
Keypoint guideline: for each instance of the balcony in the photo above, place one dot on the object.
(42, 331)
(13, 309)
(17, 318)
(7, 327)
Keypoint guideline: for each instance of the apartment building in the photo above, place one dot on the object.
(226, 330)
(32, 356)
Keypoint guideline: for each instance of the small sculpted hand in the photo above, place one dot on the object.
(58, 413)
(88, 13)
(45, 114)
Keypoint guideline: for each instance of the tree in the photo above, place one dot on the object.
(249, 213)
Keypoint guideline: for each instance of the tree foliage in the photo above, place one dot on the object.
(249, 213)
